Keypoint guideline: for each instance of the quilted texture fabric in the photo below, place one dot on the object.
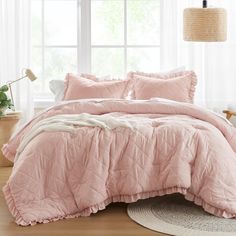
(179, 148)
(77, 87)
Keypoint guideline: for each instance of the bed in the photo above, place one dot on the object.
(78, 156)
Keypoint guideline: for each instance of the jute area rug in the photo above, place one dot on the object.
(174, 215)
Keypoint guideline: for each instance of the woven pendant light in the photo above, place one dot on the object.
(205, 24)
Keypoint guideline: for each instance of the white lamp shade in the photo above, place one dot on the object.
(205, 24)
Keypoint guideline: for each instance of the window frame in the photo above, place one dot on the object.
(84, 46)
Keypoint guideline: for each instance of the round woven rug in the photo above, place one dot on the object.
(174, 215)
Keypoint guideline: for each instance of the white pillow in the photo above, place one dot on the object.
(174, 70)
(57, 88)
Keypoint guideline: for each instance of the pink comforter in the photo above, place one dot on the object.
(183, 149)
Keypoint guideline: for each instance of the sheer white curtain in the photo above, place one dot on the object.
(214, 63)
(15, 50)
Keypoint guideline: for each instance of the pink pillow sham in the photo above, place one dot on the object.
(167, 75)
(77, 87)
(180, 88)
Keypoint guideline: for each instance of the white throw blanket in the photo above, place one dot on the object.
(69, 123)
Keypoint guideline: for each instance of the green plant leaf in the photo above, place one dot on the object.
(4, 88)
(5, 103)
(3, 96)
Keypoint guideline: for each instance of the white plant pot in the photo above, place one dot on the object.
(3, 111)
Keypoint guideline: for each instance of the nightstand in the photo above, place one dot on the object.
(229, 113)
(7, 126)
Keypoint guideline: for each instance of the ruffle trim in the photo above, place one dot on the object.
(7, 153)
(193, 85)
(190, 74)
(12, 207)
(167, 75)
(123, 198)
(66, 83)
(209, 208)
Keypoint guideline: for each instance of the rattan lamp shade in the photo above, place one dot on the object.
(205, 24)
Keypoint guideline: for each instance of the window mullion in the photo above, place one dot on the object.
(43, 44)
(84, 36)
(125, 37)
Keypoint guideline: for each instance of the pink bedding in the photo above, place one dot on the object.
(77, 87)
(179, 148)
(148, 87)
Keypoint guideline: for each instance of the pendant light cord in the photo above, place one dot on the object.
(204, 4)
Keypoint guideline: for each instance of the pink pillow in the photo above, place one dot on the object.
(77, 87)
(179, 88)
(167, 75)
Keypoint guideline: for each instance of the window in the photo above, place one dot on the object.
(103, 37)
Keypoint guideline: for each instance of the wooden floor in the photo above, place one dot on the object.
(111, 222)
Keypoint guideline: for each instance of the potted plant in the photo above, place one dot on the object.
(5, 101)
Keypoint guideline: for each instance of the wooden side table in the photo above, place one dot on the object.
(7, 126)
(229, 113)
